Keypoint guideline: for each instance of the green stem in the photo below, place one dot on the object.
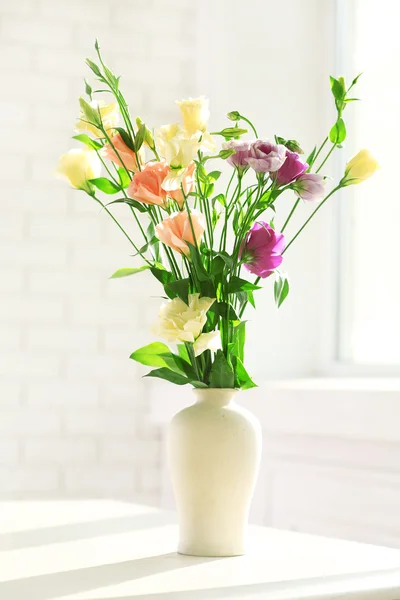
(295, 205)
(251, 125)
(121, 228)
(318, 152)
(326, 158)
(189, 348)
(320, 205)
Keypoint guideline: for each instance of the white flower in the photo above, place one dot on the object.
(177, 146)
(78, 166)
(181, 322)
(195, 114)
(207, 341)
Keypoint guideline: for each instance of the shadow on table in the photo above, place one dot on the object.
(384, 585)
(78, 531)
(54, 585)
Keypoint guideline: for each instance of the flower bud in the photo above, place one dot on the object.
(234, 115)
(148, 136)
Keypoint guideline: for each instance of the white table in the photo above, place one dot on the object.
(106, 550)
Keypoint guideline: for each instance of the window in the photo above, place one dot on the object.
(369, 224)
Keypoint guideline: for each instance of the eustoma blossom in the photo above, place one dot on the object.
(146, 185)
(180, 228)
(207, 244)
(262, 249)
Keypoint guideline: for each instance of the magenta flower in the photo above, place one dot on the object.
(262, 249)
(292, 168)
(242, 153)
(265, 156)
(310, 186)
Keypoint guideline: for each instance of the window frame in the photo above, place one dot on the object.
(336, 355)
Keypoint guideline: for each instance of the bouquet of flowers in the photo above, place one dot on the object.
(208, 249)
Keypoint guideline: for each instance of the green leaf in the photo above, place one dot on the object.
(250, 297)
(355, 80)
(197, 263)
(183, 353)
(162, 275)
(220, 198)
(126, 137)
(105, 185)
(150, 355)
(338, 132)
(236, 284)
(310, 157)
(239, 335)
(173, 377)
(90, 114)
(244, 379)
(94, 67)
(224, 310)
(123, 177)
(221, 375)
(281, 288)
(159, 355)
(130, 202)
(214, 176)
(125, 272)
(139, 137)
(85, 139)
(88, 88)
(179, 288)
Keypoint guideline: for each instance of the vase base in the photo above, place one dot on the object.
(210, 554)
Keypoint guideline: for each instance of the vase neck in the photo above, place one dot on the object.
(215, 396)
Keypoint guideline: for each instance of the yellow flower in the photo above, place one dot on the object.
(181, 322)
(109, 117)
(195, 114)
(79, 165)
(177, 146)
(360, 167)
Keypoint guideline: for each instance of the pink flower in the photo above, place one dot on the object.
(187, 184)
(265, 156)
(262, 249)
(176, 230)
(128, 156)
(291, 169)
(310, 186)
(242, 153)
(146, 185)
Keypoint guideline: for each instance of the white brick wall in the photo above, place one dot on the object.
(73, 408)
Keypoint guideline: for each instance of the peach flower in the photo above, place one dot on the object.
(187, 184)
(176, 230)
(127, 155)
(146, 184)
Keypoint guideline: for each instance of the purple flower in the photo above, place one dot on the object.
(242, 152)
(292, 168)
(262, 249)
(265, 156)
(310, 186)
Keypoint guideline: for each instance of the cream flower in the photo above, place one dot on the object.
(195, 114)
(78, 166)
(181, 322)
(109, 116)
(177, 146)
(207, 341)
(362, 166)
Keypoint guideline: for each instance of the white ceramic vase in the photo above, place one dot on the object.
(214, 451)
